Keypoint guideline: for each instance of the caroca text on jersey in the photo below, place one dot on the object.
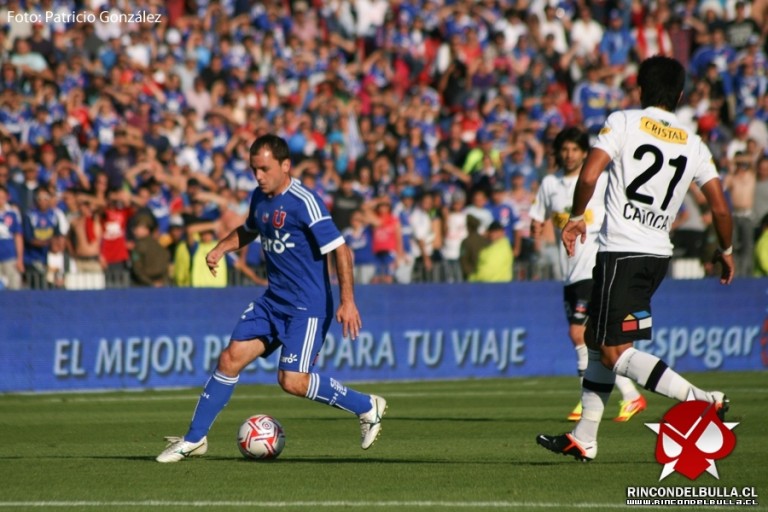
(646, 217)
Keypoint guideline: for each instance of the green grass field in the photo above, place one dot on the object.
(444, 446)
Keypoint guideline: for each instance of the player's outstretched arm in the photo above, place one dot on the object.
(238, 238)
(721, 219)
(346, 314)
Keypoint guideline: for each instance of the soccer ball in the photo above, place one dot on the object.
(261, 437)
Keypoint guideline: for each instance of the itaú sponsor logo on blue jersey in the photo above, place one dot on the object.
(279, 244)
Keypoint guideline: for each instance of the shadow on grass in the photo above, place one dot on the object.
(395, 419)
(335, 460)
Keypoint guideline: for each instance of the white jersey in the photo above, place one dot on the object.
(555, 200)
(655, 159)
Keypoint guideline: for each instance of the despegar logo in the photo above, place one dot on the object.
(691, 437)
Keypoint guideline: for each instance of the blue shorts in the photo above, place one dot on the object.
(300, 337)
(385, 263)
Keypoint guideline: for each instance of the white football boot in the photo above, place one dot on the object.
(179, 449)
(370, 422)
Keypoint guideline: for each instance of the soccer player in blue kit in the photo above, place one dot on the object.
(295, 312)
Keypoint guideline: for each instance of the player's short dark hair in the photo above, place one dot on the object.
(661, 80)
(276, 144)
(571, 134)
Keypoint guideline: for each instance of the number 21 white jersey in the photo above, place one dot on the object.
(655, 158)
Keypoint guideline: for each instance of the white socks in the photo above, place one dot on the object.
(627, 388)
(595, 390)
(581, 358)
(654, 375)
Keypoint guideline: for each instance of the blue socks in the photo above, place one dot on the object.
(329, 391)
(219, 388)
(214, 397)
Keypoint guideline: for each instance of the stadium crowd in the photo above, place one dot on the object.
(425, 125)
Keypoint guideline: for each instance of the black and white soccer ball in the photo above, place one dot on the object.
(261, 437)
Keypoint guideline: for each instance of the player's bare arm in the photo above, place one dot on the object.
(721, 219)
(237, 239)
(346, 314)
(597, 161)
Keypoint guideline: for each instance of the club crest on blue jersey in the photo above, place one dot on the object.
(278, 219)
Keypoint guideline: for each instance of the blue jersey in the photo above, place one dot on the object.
(297, 234)
(506, 216)
(593, 99)
(361, 245)
(39, 226)
(160, 207)
(10, 226)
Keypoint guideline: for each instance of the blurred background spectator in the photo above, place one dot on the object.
(408, 118)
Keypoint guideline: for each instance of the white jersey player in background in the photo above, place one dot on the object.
(655, 158)
(554, 200)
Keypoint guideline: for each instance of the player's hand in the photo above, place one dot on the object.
(571, 232)
(349, 318)
(212, 260)
(727, 267)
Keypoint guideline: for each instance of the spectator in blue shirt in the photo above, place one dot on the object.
(617, 43)
(11, 244)
(41, 224)
(717, 51)
(359, 238)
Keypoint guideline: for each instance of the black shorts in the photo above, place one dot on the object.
(620, 309)
(576, 298)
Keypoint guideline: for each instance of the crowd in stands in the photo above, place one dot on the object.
(425, 125)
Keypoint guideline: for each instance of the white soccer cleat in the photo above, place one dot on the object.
(370, 422)
(179, 449)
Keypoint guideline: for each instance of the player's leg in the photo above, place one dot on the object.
(325, 390)
(576, 313)
(214, 397)
(576, 333)
(247, 344)
(577, 297)
(654, 375)
(220, 386)
(615, 291)
(302, 339)
(632, 402)
(596, 388)
(576, 300)
(630, 319)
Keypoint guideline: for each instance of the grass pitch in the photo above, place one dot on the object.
(444, 446)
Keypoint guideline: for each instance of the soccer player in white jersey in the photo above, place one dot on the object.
(655, 158)
(296, 310)
(554, 200)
